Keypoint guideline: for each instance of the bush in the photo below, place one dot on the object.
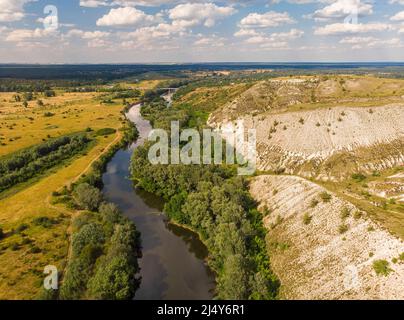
(382, 267)
(88, 197)
(44, 222)
(21, 228)
(1, 233)
(345, 213)
(358, 177)
(105, 132)
(307, 219)
(343, 228)
(313, 203)
(325, 197)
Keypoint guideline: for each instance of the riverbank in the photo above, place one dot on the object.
(173, 262)
(216, 203)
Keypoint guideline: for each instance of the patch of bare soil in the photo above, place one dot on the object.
(326, 250)
(391, 188)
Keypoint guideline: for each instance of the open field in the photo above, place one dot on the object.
(30, 243)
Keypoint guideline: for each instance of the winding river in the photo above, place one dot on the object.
(173, 263)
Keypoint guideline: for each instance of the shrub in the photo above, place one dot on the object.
(44, 222)
(345, 213)
(307, 218)
(1, 233)
(21, 228)
(343, 228)
(359, 177)
(357, 215)
(88, 197)
(382, 267)
(105, 132)
(313, 203)
(325, 197)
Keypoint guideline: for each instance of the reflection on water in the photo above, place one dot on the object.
(172, 266)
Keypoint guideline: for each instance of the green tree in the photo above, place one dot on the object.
(233, 283)
(88, 196)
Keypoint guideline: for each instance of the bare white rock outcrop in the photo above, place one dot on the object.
(320, 262)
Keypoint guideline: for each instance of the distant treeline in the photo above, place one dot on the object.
(24, 165)
(114, 72)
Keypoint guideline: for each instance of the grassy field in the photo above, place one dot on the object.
(36, 232)
(388, 213)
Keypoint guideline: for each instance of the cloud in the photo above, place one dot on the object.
(350, 28)
(398, 17)
(93, 3)
(125, 16)
(87, 34)
(343, 8)
(210, 41)
(12, 10)
(19, 35)
(193, 14)
(372, 42)
(266, 20)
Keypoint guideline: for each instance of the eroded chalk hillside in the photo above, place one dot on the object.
(324, 142)
(323, 247)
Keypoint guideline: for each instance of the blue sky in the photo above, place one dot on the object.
(138, 31)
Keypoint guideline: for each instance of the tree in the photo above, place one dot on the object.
(233, 283)
(25, 104)
(88, 197)
(40, 103)
(114, 281)
(110, 213)
(49, 93)
(91, 233)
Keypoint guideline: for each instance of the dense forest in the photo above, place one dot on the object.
(216, 203)
(103, 262)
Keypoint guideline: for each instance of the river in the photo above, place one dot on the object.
(173, 263)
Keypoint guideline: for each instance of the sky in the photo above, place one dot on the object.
(181, 31)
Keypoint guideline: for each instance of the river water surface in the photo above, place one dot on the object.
(172, 266)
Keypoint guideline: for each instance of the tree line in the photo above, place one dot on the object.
(26, 164)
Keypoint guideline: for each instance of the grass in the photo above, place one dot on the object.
(31, 239)
(388, 214)
(382, 267)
